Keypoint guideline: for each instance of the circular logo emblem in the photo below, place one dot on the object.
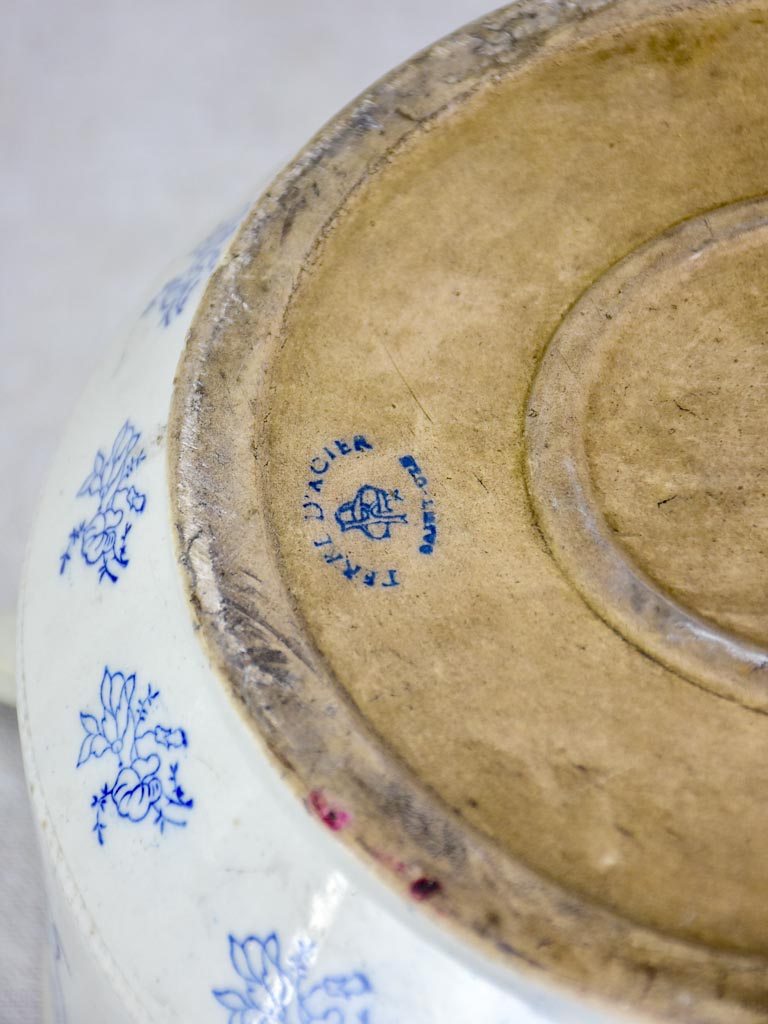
(369, 512)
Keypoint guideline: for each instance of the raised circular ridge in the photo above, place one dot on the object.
(560, 481)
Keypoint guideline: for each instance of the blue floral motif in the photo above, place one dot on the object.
(277, 993)
(103, 538)
(145, 783)
(170, 301)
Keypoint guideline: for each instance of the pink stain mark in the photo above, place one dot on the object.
(425, 888)
(393, 864)
(334, 817)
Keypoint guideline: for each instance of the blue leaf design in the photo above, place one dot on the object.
(89, 723)
(346, 987)
(94, 745)
(92, 484)
(124, 443)
(170, 738)
(85, 750)
(106, 690)
(231, 999)
(129, 687)
(272, 948)
(240, 960)
(274, 978)
(136, 501)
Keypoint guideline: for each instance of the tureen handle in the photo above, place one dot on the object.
(7, 657)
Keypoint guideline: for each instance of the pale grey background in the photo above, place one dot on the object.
(127, 130)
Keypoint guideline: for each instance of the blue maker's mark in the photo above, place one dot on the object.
(373, 512)
(428, 516)
(370, 512)
(320, 465)
(145, 780)
(273, 992)
(103, 538)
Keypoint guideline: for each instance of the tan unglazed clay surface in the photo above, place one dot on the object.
(678, 430)
(469, 448)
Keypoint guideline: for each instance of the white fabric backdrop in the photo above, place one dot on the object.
(127, 131)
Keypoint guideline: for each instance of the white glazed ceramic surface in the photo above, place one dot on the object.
(187, 883)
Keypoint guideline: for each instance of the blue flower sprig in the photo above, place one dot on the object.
(103, 538)
(277, 993)
(172, 298)
(144, 785)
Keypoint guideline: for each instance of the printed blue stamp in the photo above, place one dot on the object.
(364, 529)
(102, 539)
(271, 991)
(171, 300)
(370, 512)
(143, 781)
(428, 517)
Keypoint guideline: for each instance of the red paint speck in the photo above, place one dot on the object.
(333, 817)
(425, 888)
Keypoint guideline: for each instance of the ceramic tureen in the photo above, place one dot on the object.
(394, 630)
